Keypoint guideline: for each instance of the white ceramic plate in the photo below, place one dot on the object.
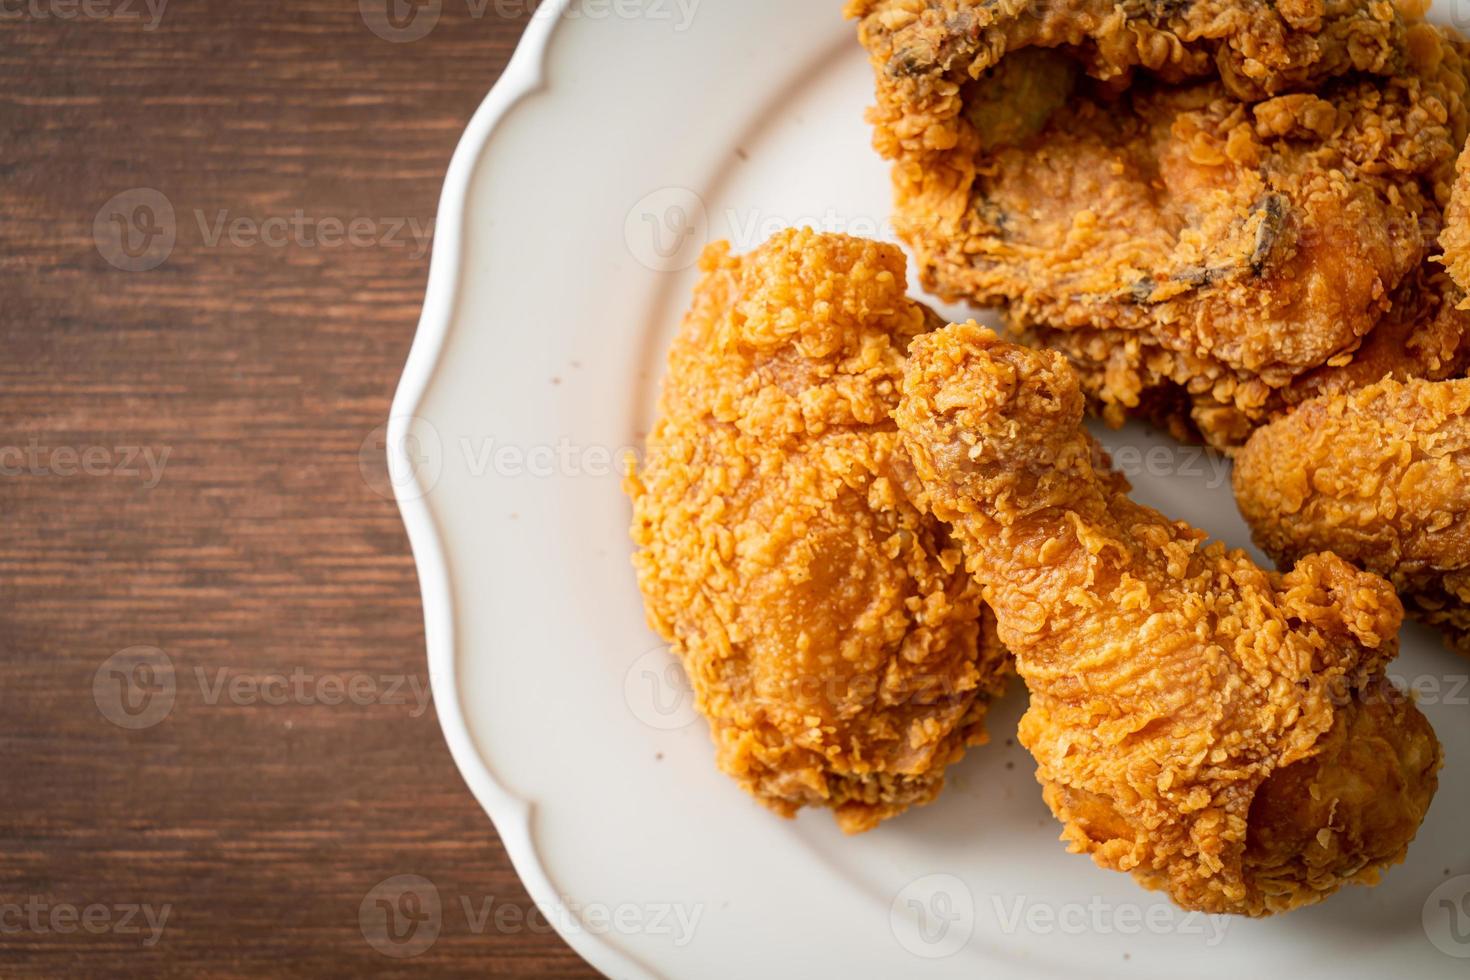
(623, 136)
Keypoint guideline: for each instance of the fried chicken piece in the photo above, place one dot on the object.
(1455, 239)
(922, 47)
(834, 641)
(1224, 733)
(1377, 476)
(1185, 238)
(1424, 335)
(1184, 245)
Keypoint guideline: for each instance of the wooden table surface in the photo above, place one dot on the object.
(214, 221)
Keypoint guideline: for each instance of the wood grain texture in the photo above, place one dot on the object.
(262, 369)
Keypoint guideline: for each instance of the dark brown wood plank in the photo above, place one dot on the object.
(260, 549)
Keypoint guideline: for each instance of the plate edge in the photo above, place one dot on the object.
(524, 75)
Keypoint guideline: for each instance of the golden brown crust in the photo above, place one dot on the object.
(1455, 239)
(1377, 476)
(832, 636)
(1175, 686)
(1168, 241)
(1425, 335)
(1203, 232)
(1368, 785)
(922, 46)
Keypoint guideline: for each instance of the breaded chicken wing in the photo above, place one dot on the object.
(833, 638)
(1224, 733)
(1378, 476)
(1195, 236)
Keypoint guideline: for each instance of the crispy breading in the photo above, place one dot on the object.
(1455, 239)
(922, 47)
(1167, 241)
(838, 648)
(1424, 335)
(1188, 241)
(1224, 733)
(1378, 476)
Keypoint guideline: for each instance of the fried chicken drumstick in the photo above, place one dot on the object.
(1224, 733)
(1199, 204)
(1378, 476)
(833, 638)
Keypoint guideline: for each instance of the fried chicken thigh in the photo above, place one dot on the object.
(1378, 476)
(1197, 215)
(833, 638)
(1224, 733)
